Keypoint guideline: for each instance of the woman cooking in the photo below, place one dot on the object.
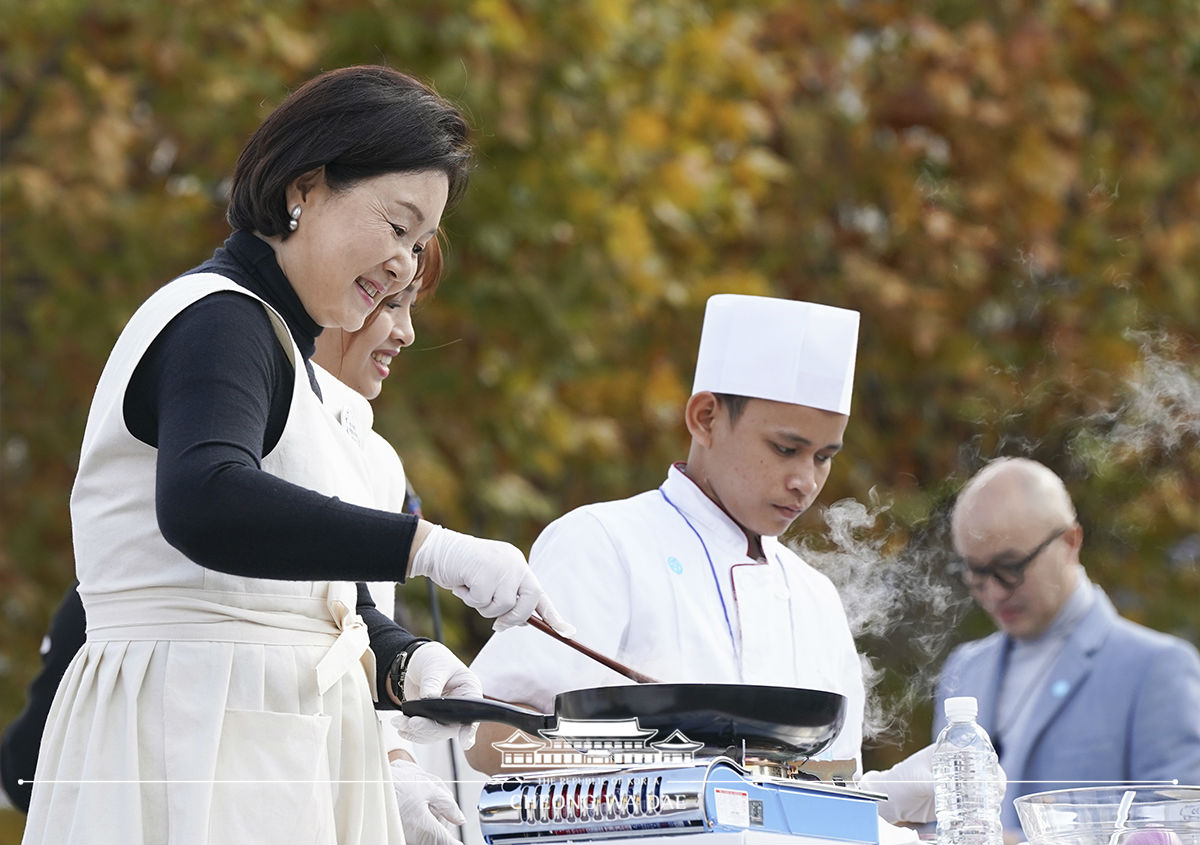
(225, 690)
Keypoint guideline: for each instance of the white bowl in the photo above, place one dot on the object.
(1112, 815)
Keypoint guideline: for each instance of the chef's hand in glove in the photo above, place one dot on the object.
(433, 672)
(909, 788)
(488, 575)
(425, 803)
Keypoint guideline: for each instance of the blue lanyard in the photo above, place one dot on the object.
(716, 580)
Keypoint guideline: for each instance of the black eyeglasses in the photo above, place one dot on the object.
(1009, 575)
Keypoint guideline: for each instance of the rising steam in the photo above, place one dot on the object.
(1159, 414)
(902, 606)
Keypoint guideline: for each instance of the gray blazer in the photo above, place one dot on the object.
(1122, 704)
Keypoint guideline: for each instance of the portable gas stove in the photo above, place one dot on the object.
(599, 774)
(715, 800)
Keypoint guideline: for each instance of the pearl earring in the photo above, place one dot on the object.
(294, 223)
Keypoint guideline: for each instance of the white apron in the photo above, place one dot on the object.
(207, 707)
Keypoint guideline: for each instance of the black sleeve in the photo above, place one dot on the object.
(23, 737)
(387, 640)
(207, 394)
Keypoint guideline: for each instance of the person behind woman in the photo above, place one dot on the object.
(224, 693)
(351, 368)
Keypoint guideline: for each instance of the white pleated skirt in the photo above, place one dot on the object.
(192, 741)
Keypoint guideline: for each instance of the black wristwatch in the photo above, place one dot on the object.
(400, 665)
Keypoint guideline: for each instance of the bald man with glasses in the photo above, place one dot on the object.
(1071, 693)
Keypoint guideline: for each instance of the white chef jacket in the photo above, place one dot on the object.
(663, 583)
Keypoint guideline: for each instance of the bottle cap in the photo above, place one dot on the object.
(961, 708)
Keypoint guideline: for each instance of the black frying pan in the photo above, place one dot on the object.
(777, 723)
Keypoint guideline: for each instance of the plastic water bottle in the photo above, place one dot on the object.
(966, 777)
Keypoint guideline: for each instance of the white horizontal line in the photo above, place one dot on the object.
(543, 776)
(182, 780)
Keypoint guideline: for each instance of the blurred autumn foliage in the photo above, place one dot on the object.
(1009, 192)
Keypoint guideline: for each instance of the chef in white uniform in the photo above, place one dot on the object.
(689, 582)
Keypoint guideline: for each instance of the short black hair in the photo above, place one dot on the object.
(734, 403)
(356, 122)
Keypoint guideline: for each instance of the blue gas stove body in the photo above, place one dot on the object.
(717, 796)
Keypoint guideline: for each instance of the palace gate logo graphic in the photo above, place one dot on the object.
(576, 743)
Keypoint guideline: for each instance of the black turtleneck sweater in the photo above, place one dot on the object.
(212, 394)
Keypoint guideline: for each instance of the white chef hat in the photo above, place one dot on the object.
(780, 349)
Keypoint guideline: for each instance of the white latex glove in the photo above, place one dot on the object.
(488, 575)
(426, 805)
(909, 788)
(433, 672)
